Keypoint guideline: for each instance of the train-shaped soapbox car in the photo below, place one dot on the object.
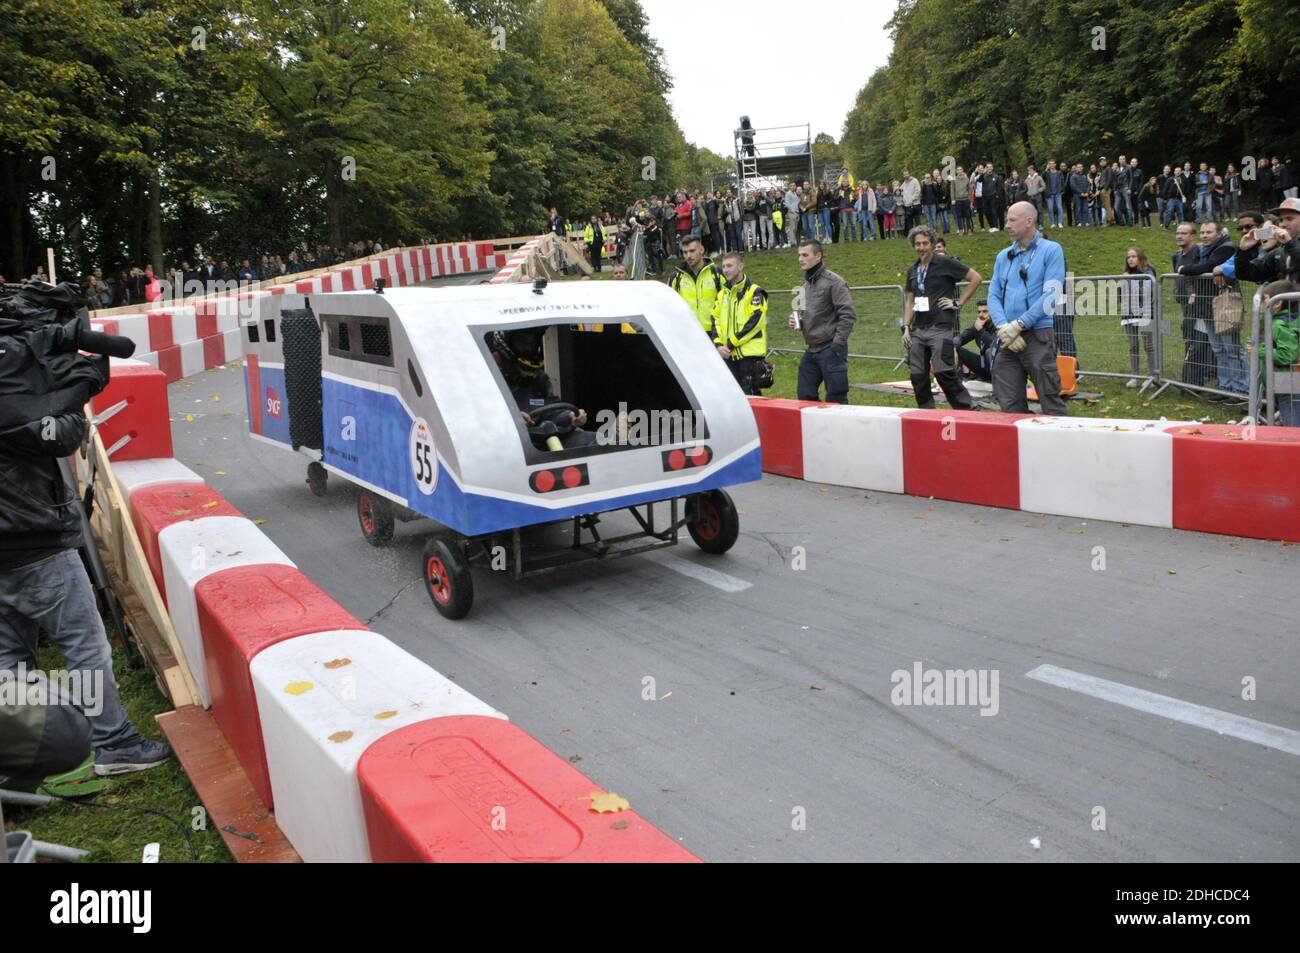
(402, 393)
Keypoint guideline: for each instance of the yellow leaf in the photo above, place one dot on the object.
(1173, 572)
(298, 688)
(258, 522)
(221, 473)
(607, 802)
(208, 505)
(216, 398)
(189, 418)
(340, 736)
(384, 715)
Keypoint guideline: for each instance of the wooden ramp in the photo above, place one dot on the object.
(246, 825)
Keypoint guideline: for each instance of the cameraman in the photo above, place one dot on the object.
(44, 590)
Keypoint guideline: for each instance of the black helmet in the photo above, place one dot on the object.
(521, 351)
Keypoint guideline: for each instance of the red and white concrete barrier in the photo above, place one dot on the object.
(322, 700)
(1235, 480)
(182, 340)
(304, 691)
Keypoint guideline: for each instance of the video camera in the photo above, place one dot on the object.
(44, 329)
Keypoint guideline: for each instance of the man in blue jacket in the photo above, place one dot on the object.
(1028, 279)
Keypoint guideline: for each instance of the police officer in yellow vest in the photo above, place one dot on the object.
(697, 281)
(594, 236)
(740, 324)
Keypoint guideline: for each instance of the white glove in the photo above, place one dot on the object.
(1009, 336)
(907, 336)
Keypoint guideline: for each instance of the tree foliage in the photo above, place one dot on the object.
(1017, 81)
(242, 126)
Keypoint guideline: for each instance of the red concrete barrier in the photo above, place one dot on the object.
(963, 455)
(473, 789)
(780, 433)
(242, 611)
(144, 418)
(154, 508)
(1237, 481)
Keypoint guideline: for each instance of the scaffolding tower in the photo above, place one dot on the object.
(772, 153)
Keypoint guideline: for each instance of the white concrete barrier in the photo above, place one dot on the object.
(322, 700)
(195, 549)
(854, 446)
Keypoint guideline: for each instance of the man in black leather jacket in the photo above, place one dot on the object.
(45, 594)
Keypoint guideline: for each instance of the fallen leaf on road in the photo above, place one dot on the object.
(298, 688)
(338, 663)
(1173, 572)
(221, 473)
(817, 688)
(258, 522)
(340, 736)
(619, 826)
(574, 758)
(189, 418)
(607, 802)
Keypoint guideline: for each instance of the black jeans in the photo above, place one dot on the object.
(829, 365)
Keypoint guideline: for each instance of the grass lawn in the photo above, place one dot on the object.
(120, 831)
(1102, 345)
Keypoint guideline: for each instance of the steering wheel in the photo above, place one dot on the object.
(549, 427)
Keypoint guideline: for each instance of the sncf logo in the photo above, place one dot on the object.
(272, 403)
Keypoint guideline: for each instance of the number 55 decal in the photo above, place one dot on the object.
(424, 459)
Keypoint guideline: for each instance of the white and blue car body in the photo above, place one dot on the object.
(413, 406)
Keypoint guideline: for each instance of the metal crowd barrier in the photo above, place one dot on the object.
(1208, 335)
(1275, 382)
(876, 335)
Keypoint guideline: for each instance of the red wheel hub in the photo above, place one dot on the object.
(435, 573)
(708, 524)
(367, 513)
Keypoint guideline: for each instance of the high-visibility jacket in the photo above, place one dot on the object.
(699, 291)
(740, 319)
(592, 234)
(778, 219)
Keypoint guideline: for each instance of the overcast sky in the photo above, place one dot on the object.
(786, 62)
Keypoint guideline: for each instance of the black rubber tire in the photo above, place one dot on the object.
(447, 578)
(375, 514)
(317, 478)
(714, 523)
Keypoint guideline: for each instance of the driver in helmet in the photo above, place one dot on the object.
(519, 355)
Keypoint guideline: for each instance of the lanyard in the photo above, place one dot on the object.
(920, 276)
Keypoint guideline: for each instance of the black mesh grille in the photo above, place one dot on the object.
(302, 381)
(375, 341)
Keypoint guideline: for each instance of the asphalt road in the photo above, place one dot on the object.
(772, 734)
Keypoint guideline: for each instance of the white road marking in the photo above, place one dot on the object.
(1223, 722)
(718, 580)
